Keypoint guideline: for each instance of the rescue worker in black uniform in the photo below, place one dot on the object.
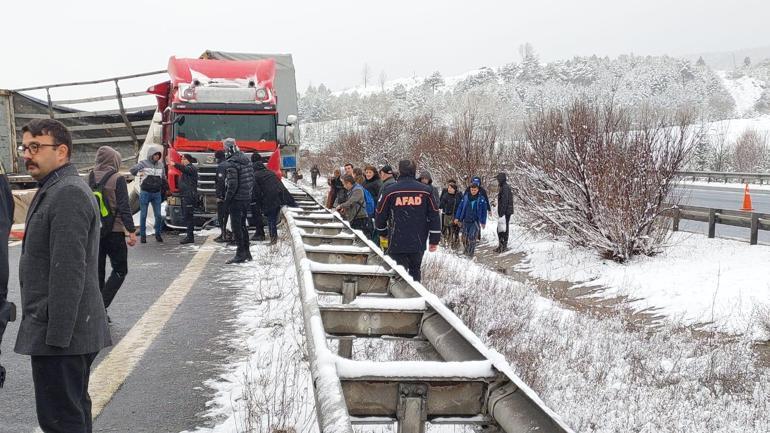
(188, 187)
(416, 219)
(239, 181)
(219, 184)
(7, 309)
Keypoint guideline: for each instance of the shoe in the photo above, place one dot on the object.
(143, 239)
(187, 241)
(273, 240)
(158, 238)
(258, 238)
(235, 260)
(220, 239)
(232, 243)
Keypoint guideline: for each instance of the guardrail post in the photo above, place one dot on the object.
(754, 229)
(712, 223)
(676, 220)
(349, 288)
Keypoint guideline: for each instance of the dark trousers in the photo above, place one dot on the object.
(188, 208)
(256, 220)
(238, 210)
(411, 261)
(363, 224)
(113, 246)
(61, 392)
(272, 222)
(502, 237)
(314, 179)
(222, 215)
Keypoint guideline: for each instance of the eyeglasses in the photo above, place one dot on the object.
(34, 147)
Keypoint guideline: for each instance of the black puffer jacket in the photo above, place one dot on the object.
(239, 178)
(504, 196)
(188, 182)
(268, 189)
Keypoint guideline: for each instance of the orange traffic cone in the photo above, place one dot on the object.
(747, 199)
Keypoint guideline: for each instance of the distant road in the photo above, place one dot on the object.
(723, 197)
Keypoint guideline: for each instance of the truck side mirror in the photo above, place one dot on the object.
(291, 119)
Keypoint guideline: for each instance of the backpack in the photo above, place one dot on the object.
(105, 212)
(152, 183)
(369, 200)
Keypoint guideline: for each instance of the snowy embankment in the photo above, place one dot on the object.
(720, 283)
(607, 375)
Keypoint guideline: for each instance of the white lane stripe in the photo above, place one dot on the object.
(110, 374)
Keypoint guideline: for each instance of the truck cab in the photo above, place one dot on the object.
(208, 100)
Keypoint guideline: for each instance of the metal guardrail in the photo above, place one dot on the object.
(754, 221)
(462, 382)
(725, 176)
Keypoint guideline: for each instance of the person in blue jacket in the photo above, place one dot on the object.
(472, 213)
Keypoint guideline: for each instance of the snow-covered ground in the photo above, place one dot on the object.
(720, 283)
(745, 91)
(266, 386)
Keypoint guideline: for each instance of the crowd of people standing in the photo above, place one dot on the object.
(405, 212)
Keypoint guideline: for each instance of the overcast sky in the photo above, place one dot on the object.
(60, 41)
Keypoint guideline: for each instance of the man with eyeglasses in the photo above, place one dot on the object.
(63, 323)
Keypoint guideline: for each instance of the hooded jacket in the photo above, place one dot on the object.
(115, 189)
(504, 196)
(239, 178)
(426, 174)
(148, 167)
(473, 209)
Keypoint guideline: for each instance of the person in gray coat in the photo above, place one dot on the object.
(63, 321)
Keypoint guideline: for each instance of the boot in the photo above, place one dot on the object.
(273, 239)
(221, 238)
(143, 239)
(235, 259)
(258, 237)
(158, 238)
(187, 240)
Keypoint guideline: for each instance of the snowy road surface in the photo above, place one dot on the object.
(165, 391)
(722, 197)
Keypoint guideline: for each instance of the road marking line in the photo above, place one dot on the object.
(110, 374)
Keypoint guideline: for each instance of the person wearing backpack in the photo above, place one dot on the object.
(111, 192)
(354, 209)
(150, 176)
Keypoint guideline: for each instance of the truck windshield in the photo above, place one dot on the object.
(217, 127)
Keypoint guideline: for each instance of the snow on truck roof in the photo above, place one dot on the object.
(186, 70)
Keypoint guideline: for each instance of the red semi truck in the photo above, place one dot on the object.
(226, 95)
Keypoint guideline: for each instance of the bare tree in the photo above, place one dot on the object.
(720, 160)
(750, 152)
(383, 78)
(601, 179)
(366, 74)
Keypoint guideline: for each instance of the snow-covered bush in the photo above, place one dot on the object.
(600, 374)
(601, 179)
(750, 152)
